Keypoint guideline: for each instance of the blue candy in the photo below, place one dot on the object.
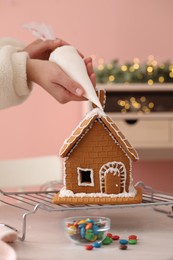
(95, 229)
(90, 220)
(81, 225)
(82, 232)
(123, 242)
(96, 244)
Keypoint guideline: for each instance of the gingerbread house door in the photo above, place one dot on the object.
(112, 182)
(113, 178)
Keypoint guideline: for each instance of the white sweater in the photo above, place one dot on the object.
(14, 88)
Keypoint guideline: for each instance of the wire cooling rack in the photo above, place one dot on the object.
(31, 201)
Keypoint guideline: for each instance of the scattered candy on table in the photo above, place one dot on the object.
(132, 237)
(123, 247)
(109, 235)
(123, 243)
(132, 241)
(89, 247)
(107, 240)
(115, 237)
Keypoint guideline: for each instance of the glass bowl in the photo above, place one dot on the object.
(87, 229)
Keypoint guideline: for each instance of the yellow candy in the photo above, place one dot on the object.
(72, 230)
(83, 221)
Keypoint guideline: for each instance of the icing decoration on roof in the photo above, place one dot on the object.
(110, 125)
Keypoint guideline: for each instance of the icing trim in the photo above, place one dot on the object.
(68, 193)
(115, 167)
(91, 177)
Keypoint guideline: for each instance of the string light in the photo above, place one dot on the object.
(109, 66)
(134, 72)
(161, 79)
(100, 67)
(124, 68)
(111, 78)
(143, 99)
(171, 74)
(150, 82)
(132, 69)
(149, 69)
(136, 66)
(139, 105)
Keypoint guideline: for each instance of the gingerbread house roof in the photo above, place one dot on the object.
(111, 126)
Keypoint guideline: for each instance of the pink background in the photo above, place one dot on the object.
(110, 29)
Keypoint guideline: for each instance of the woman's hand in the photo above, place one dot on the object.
(50, 76)
(55, 81)
(41, 49)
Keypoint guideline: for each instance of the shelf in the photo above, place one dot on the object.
(136, 87)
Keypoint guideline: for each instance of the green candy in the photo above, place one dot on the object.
(132, 241)
(89, 236)
(100, 235)
(107, 241)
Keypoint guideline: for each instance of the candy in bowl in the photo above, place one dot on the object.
(87, 229)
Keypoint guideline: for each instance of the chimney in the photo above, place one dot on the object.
(101, 93)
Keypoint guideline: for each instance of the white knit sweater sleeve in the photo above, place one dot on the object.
(14, 88)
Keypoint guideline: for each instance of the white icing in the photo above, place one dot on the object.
(91, 176)
(71, 62)
(116, 168)
(68, 193)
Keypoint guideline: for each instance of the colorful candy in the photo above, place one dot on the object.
(132, 241)
(132, 237)
(123, 247)
(109, 235)
(96, 245)
(107, 240)
(115, 237)
(86, 230)
(123, 241)
(88, 247)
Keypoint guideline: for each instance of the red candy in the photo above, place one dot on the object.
(132, 237)
(88, 247)
(109, 235)
(123, 247)
(115, 237)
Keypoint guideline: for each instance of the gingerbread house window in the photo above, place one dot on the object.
(85, 177)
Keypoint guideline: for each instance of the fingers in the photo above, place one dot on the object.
(65, 81)
(90, 70)
(62, 95)
(50, 45)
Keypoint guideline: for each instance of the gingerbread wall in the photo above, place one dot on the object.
(94, 150)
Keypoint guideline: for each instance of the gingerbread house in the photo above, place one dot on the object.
(98, 164)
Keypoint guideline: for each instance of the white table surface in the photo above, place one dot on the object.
(45, 238)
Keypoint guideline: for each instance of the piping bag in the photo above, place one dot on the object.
(68, 59)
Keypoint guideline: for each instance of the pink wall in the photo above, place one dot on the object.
(110, 29)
